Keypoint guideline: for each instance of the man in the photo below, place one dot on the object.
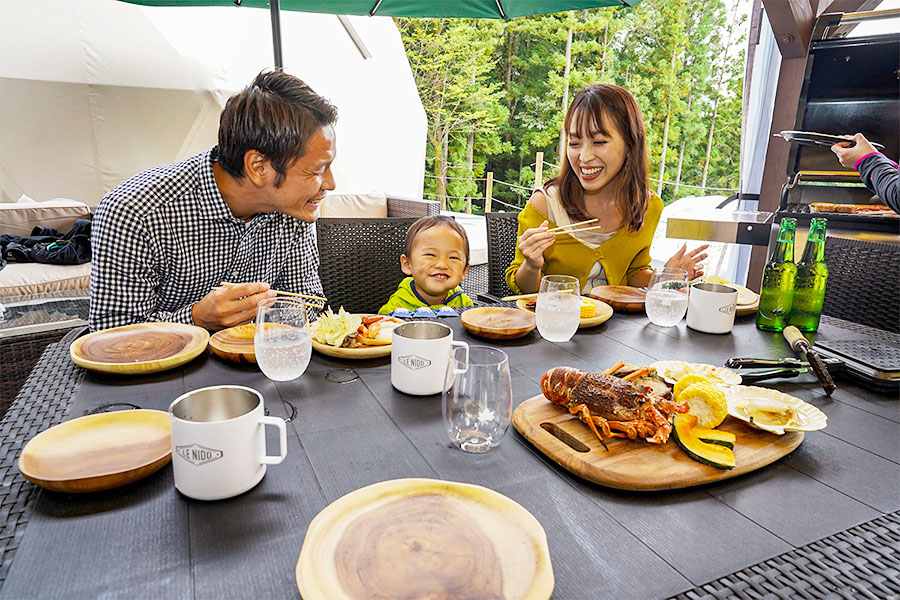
(240, 212)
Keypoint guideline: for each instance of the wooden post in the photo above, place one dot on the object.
(488, 190)
(538, 169)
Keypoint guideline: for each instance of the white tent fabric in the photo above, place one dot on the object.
(94, 91)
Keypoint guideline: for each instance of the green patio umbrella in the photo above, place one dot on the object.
(467, 9)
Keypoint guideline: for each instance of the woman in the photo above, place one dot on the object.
(603, 177)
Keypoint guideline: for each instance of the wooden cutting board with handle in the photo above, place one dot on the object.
(620, 297)
(637, 465)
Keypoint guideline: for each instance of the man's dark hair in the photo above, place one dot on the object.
(429, 222)
(275, 115)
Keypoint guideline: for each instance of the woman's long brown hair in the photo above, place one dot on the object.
(614, 105)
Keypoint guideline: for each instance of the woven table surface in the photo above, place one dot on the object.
(41, 403)
(860, 562)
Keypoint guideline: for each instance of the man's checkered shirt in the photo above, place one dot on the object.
(162, 239)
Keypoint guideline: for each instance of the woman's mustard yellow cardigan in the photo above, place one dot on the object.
(622, 255)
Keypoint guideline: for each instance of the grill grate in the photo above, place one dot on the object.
(875, 355)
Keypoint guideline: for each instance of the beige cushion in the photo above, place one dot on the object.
(354, 205)
(19, 218)
(17, 279)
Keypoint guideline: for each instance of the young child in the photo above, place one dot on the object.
(436, 256)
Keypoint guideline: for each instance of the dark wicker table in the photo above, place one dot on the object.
(823, 522)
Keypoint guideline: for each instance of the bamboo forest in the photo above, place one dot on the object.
(495, 94)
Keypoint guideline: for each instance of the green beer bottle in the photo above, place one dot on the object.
(812, 274)
(777, 293)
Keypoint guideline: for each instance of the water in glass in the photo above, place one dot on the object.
(283, 359)
(282, 342)
(558, 308)
(667, 297)
(666, 307)
(557, 315)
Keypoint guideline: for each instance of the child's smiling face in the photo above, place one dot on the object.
(437, 262)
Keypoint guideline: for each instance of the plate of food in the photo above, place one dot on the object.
(593, 311)
(139, 348)
(235, 343)
(424, 538)
(771, 410)
(625, 428)
(498, 322)
(348, 335)
(98, 452)
(673, 370)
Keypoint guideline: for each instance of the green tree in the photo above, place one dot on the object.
(450, 61)
(677, 57)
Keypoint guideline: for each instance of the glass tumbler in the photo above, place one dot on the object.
(281, 339)
(667, 297)
(477, 403)
(558, 308)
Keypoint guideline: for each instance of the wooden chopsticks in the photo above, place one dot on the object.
(576, 227)
(528, 296)
(281, 293)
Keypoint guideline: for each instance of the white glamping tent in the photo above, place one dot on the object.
(94, 91)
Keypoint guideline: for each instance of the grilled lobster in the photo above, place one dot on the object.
(614, 404)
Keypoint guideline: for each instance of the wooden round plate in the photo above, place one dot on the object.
(620, 297)
(235, 343)
(424, 538)
(98, 452)
(604, 312)
(140, 348)
(498, 322)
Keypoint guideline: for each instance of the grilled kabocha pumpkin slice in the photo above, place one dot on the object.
(715, 436)
(713, 455)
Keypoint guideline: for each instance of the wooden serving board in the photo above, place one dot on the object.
(424, 538)
(234, 343)
(620, 297)
(139, 348)
(637, 465)
(498, 323)
(98, 452)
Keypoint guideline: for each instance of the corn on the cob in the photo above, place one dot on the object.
(707, 403)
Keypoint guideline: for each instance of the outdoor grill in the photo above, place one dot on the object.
(851, 84)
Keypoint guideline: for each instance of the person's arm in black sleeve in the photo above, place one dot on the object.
(880, 175)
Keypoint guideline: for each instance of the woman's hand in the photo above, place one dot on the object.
(689, 261)
(850, 156)
(533, 243)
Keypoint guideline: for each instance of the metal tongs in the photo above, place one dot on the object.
(781, 368)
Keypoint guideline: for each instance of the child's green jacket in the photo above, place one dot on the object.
(406, 296)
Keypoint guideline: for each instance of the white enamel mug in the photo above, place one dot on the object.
(420, 352)
(219, 441)
(711, 307)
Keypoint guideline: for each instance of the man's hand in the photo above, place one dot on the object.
(849, 156)
(228, 306)
(689, 261)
